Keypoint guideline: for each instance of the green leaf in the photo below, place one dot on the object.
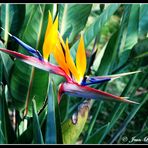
(64, 107)
(27, 82)
(67, 33)
(12, 19)
(72, 127)
(7, 63)
(140, 49)
(1, 70)
(18, 18)
(109, 56)
(139, 53)
(96, 26)
(143, 19)
(5, 20)
(73, 15)
(2, 139)
(53, 125)
(17, 23)
(132, 28)
(131, 35)
(6, 126)
(27, 136)
(37, 133)
(98, 58)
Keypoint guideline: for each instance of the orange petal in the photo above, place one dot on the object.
(81, 58)
(69, 60)
(71, 64)
(51, 37)
(50, 23)
(60, 58)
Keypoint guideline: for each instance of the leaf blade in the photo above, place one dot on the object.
(38, 138)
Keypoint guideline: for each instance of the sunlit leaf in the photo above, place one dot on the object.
(69, 16)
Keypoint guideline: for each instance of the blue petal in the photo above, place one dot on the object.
(31, 50)
(93, 80)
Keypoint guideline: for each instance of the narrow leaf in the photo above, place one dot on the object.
(37, 133)
(53, 125)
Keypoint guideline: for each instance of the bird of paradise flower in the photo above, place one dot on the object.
(76, 84)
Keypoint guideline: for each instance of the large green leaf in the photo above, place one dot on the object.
(143, 19)
(5, 20)
(131, 35)
(18, 18)
(12, 19)
(28, 82)
(73, 16)
(96, 26)
(132, 28)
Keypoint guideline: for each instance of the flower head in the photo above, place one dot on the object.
(54, 44)
(76, 82)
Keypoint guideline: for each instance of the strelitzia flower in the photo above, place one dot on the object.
(76, 83)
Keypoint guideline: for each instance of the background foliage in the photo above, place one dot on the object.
(116, 41)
